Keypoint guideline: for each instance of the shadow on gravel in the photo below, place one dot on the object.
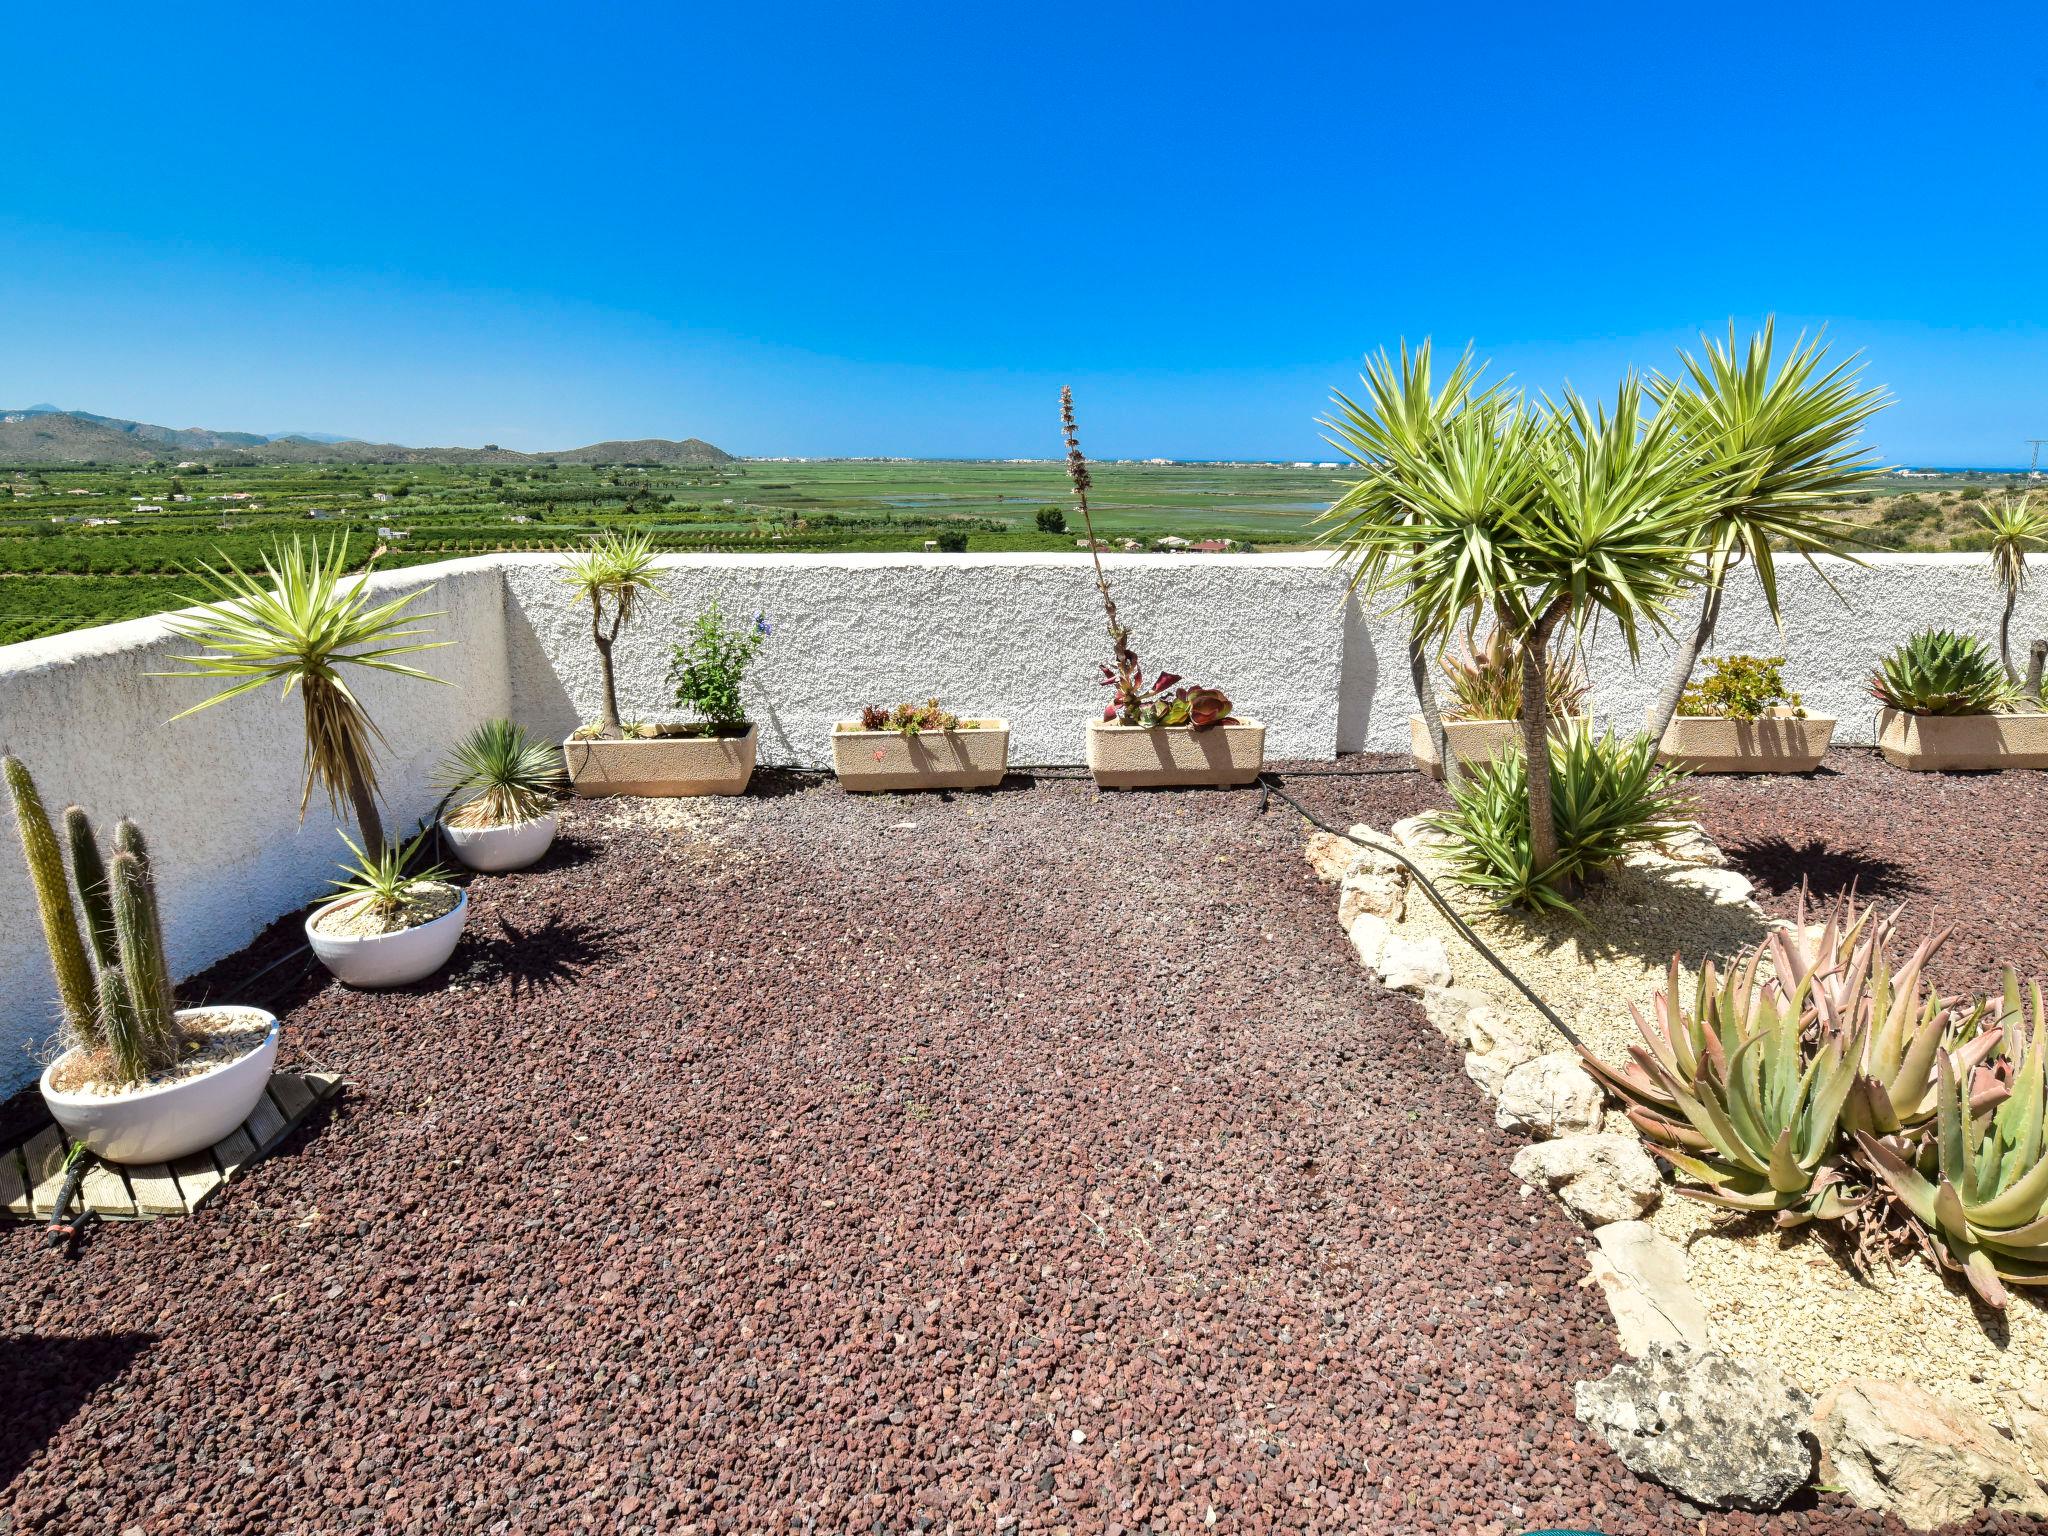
(549, 954)
(46, 1381)
(1778, 864)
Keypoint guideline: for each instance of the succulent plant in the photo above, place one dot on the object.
(115, 991)
(1164, 701)
(1814, 1039)
(1740, 687)
(1485, 680)
(507, 775)
(909, 719)
(1979, 1190)
(1942, 672)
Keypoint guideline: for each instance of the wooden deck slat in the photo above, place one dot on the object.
(156, 1192)
(234, 1152)
(198, 1178)
(265, 1124)
(31, 1173)
(14, 1184)
(44, 1155)
(105, 1191)
(291, 1095)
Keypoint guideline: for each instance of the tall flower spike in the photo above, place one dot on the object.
(1126, 674)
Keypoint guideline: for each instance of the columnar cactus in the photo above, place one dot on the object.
(117, 997)
(76, 991)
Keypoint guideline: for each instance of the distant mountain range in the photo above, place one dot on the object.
(43, 434)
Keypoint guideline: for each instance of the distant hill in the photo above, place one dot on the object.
(42, 434)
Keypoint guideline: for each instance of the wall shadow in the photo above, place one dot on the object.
(46, 1381)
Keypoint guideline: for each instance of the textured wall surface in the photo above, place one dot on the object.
(1017, 635)
(217, 794)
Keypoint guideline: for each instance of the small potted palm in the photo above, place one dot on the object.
(393, 923)
(1741, 718)
(506, 818)
(139, 1080)
(1163, 732)
(1482, 710)
(919, 746)
(1949, 705)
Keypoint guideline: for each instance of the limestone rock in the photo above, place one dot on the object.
(1693, 846)
(1368, 888)
(1552, 1095)
(1490, 1068)
(1414, 832)
(1893, 1445)
(1600, 1178)
(1329, 855)
(1731, 1434)
(1724, 887)
(1641, 1272)
(2028, 1409)
(1410, 965)
(1451, 1009)
(1369, 935)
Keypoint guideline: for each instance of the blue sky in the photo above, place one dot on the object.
(882, 229)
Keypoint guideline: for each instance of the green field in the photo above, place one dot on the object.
(75, 548)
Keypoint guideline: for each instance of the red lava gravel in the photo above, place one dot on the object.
(1029, 1161)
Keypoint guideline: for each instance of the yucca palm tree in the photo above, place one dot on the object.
(1775, 446)
(1404, 416)
(1542, 517)
(2015, 526)
(302, 622)
(620, 570)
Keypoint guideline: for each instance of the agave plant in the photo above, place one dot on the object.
(1942, 672)
(508, 776)
(383, 882)
(1484, 680)
(1979, 1192)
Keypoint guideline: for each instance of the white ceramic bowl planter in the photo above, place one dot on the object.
(493, 850)
(172, 1120)
(387, 959)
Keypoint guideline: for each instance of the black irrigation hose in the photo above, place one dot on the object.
(1268, 783)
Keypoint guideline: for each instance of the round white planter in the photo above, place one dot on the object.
(496, 849)
(157, 1125)
(388, 959)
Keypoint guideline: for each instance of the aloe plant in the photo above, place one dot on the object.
(1484, 680)
(1979, 1192)
(1942, 672)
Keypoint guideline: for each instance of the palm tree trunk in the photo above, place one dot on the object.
(2005, 636)
(368, 823)
(1688, 657)
(1425, 701)
(1536, 735)
(2037, 654)
(610, 725)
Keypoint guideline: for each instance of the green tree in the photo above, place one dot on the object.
(1052, 520)
(2014, 526)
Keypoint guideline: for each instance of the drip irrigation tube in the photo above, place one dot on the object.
(1269, 786)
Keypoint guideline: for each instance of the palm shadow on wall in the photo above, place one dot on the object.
(47, 1380)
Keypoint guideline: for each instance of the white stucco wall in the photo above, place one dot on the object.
(1016, 635)
(1020, 636)
(216, 794)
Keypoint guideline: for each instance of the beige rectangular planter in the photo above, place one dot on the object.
(889, 760)
(1772, 744)
(1946, 743)
(1136, 757)
(662, 766)
(1470, 741)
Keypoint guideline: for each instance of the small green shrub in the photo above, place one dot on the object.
(1740, 687)
(1609, 797)
(708, 668)
(1942, 672)
(1051, 520)
(950, 541)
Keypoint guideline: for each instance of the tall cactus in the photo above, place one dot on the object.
(144, 971)
(89, 870)
(76, 991)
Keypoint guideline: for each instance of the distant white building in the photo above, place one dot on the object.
(147, 508)
(380, 495)
(393, 533)
(1172, 541)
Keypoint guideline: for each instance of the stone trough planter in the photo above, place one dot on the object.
(1140, 757)
(974, 757)
(661, 766)
(1469, 741)
(1776, 743)
(1951, 743)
